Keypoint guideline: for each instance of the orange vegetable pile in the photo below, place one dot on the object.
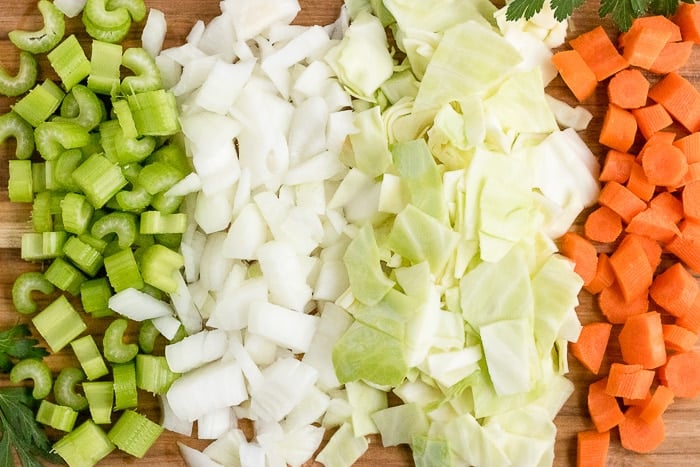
(639, 249)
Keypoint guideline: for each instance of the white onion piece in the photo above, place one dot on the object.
(154, 31)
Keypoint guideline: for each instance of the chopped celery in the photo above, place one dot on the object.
(76, 213)
(174, 156)
(153, 373)
(97, 243)
(89, 109)
(123, 224)
(38, 371)
(158, 177)
(166, 204)
(69, 62)
(100, 396)
(158, 265)
(40, 103)
(38, 246)
(148, 333)
(59, 323)
(105, 61)
(136, 8)
(85, 349)
(99, 179)
(14, 126)
(103, 34)
(84, 256)
(135, 200)
(64, 388)
(94, 296)
(63, 169)
(39, 175)
(155, 112)
(48, 36)
(46, 211)
(123, 270)
(24, 80)
(146, 75)
(52, 138)
(56, 416)
(121, 110)
(125, 392)
(134, 433)
(20, 182)
(65, 276)
(85, 445)
(129, 150)
(154, 222)
(99, 12)
(115, 349)
(23, 287)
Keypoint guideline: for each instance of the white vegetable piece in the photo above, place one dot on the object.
(285, 384)
(195, 350)
(195, 458)
(225, 449)
(287, 328)
(170, 421)
(285, 274)
(154, 31)
(70, 8)
(138, 305)
(216, 423)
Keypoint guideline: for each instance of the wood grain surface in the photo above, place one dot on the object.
(682, 447)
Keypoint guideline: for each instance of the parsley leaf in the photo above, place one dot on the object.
(20, 431)
(523, 9)
(623, 12)
(15, 343)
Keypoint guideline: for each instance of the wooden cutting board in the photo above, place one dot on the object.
(682, 448)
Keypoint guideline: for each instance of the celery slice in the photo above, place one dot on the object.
(99, 179)
(115, 349)
(134, 433)
(107, 35)
(14, 126)
(100, 396)
(64, 167)
(158, 177)
(135, 200)
(38, 175)
(155, 112)
(159, 264)
(136, 8)
(125, 391)
(105, 60)
(165, 203)
(85, 349)
(48, 36)
(56, 416)
(76, 213)
(84, 446)
(64, 388)
(40, 103)
(69, 62)
(89, 110)
(94, 296)
(122, 111)
(123, 224)
(53, 138)
(153, 373)
(23, 287)
(154, 222)
(59, 323)
(123, 271)
(83, 255)
(148, 333)
(24, 80)
(65, 276)
(174, 156)
(146, 74)
(20, 181)
(38, 246)
(103, 16)
(42, 212)
(38, 371)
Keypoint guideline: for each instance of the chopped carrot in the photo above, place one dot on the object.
(628, 89)
(631, 381)
(590, 347)
(604, 275)
(651, 248)
(668, 205)
(687, 18)
(621, 200)
(675, 290)
(690, 145)
(652, 224)
(603, 225)
(672, 57)
(681, 374)
(657, 404)
(692, 175)
(680, 98)
(691, 320)
(639, 184)
(686, 247)
(691, 201)
(599, 52)
(619, 129)
(642, 45)
(664, 164)
(678, 339)
(638, 435)
(642, 341)
(592, 448)
(616, 309)
(582, 252)
(602, 407)
(652, 22)
(616, 166)
(651, 119)
(626, 401)
(633, 270)
(577, 76)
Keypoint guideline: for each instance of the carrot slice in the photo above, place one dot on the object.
(621, 200)
(643, 45)
(582, 253)
(628, 89)
(672, 57)
(577, 75)
(651, 119)
(642, 341)
(616, 309)
(604, 275)
(687, 18)
(664, 164)
(639, 184)
(603, 225)
(681, 374)
(675, 290)
(687, 248)
(633, 270)
(668, 205)
(602, 407)
(680, 98)
(590, 347)
(616, 166)
(652, 22)
(651, 248)
(691, 200)
(690, 145)
(653, 224)
(592, 448)
(678, 339)
(657, 404)
(630, 381)
(638, 435)
(599, 52)
(691, 320)
(619, 129)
